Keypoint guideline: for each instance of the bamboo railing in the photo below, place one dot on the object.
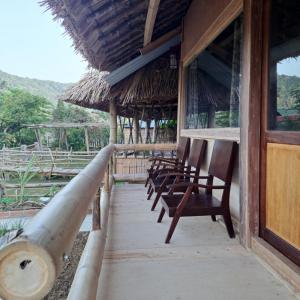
(32, 258)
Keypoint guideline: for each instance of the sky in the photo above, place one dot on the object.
(33, 45)
(290, 66)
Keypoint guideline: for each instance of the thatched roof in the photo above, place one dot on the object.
(110, 33)
(153, 90)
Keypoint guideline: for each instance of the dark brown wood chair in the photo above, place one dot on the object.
(198, 200)
(158, 163)
(195, 160)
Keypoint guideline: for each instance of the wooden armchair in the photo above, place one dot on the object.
(165, 177)
(159, 163)
(198, 199)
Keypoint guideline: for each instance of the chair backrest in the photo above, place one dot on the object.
(183, 149)
(197, 154)
(222, 160)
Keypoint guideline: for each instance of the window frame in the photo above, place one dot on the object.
(229, 14)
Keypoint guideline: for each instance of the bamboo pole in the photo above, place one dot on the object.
(135, 130)
(113, 122)
(33, 258)
(97, 211)
(87, 143)
(85, 283)
(113, 127)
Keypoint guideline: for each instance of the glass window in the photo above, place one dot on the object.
(212, 83)
(284, 66)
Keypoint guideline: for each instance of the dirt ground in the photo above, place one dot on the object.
(64, 281)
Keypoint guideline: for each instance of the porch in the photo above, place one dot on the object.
(200, 262)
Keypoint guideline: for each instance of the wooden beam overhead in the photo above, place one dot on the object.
(150, 21)
(160, 41)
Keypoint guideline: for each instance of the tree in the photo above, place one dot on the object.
(18, 108)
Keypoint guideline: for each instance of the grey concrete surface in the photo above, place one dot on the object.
(201, 262)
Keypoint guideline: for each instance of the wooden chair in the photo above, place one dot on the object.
(159, 163)
(197, 202)
(195, 160)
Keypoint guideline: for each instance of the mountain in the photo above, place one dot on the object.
(45, 88)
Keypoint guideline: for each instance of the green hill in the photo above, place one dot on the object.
(285, 86)
(45, 88)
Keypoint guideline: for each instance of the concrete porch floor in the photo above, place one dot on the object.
(201, 262)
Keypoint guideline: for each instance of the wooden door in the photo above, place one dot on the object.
(280, 132)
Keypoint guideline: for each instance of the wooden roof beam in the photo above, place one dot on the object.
(160, 41)
(150, 21)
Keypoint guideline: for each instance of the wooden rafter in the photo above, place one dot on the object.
(150, 21)
(160, 41)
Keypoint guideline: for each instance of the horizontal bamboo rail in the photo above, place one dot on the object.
(31, 259)
(145, 147)
(36, 256)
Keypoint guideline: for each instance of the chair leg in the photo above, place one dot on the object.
(229, 226)
(150, 194)
(161, 215)
(213, 217)
(172, 228)
(156, 200)
(149, 189)
(147, 181)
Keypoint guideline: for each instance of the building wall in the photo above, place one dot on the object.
(235, 188)
(202, 23)
(198, 19)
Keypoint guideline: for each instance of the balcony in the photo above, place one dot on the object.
(125, 256)
(201, 262)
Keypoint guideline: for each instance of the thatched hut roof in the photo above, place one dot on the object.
(110, 33)
(151, 91)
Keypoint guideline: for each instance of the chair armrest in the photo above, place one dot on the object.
(183, 174)
(170, 159)
(161, 163)
(187, 184)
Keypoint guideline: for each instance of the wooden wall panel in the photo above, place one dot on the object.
(283, 192)
(199, 17)
(204, 21)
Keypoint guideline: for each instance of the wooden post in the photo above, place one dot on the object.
(38, 138)
(235, 79)
(59, 139)
(211, 116)
(135, 130)
(87, 143)
(113, 129)
(66, 139)
(147, 134)
(96, 211)
(113, 122)
(249, 166)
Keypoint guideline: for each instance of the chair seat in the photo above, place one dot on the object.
(157, 182)
(198, 205)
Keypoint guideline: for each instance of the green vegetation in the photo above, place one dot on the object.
(44, 88)
(24, 178)
(17, 108)
(285, 87)
(6, 227)
(75, 114)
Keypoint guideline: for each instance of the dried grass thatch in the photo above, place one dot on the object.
(91, 89)
(155, 85)
(110, 33)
